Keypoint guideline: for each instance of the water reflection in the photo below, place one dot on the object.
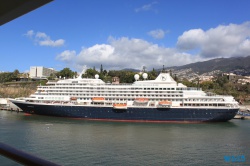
(74, 141)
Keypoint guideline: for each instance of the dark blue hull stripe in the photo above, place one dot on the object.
(146, 114)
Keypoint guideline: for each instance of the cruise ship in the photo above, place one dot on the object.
(159, 100)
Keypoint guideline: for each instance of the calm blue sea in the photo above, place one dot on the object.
(80, 142)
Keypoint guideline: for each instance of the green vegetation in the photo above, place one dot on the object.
(66, 72)
(220, 85)
(8, 76)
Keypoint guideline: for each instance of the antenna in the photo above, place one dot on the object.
(163, 70)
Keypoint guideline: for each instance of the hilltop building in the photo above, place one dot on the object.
(237, 78)
(205, 78)
(40, 72)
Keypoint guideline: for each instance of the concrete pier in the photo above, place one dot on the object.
(5, 104)
(244, 112)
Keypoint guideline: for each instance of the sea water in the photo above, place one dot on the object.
(82, 142)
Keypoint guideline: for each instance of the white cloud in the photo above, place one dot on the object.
(48, 42)
(43, 39)
(192, 46)
(42, 35)
(66, 56)
(222, 41)
(126, 53)
(157, 34)
(244, 47)
(147, 7)
(29, 33)
(191, 39)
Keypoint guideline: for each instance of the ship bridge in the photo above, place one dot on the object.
(163, 79)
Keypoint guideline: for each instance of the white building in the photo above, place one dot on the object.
(205, 78)
(40, 72)
(3, 101)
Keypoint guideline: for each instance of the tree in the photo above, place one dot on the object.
(113, 73)
(188, 83)
(105, 72)
(52, 76)
(152, 74)
(222, 80)
(207, 85)
(126, 76)
(15, 73)
(90, 73)
(6, 77)
(66, 72)
(101, 69)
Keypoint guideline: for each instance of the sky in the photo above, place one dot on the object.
(119, 34)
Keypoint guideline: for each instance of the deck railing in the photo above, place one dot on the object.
(22, 157)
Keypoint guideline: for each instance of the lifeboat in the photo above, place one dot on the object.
(73, 98)
(120, 106)
(164, 104)
(141, 100)
(98, 99)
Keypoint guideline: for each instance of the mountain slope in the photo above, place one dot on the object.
(236, 64)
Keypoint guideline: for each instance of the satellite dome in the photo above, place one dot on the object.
(145, 76)
(96, 76)
(136, 77)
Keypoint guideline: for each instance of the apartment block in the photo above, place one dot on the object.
(40, 72)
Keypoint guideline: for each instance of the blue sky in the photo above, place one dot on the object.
(125, 34)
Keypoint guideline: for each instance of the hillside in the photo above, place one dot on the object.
(15, 89)
(238, 65)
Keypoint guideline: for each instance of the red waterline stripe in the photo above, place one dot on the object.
(138, 121)
(27, 114)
